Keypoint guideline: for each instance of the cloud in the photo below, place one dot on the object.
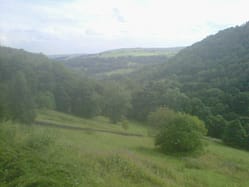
(83, 26)
(117, 15)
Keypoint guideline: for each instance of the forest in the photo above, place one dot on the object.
(209, 79)
(201, 91)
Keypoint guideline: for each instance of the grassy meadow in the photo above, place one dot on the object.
(37, 156)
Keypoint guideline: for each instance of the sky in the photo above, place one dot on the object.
(90, 26)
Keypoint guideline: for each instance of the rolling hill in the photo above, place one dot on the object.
(117, 62)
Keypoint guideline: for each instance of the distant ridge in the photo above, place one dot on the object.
(117, 61)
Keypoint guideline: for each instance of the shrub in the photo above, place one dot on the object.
(177, 133)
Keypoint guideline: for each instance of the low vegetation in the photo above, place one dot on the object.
(176, 132)
(43, 156)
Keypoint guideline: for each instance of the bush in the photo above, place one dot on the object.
(177, 133)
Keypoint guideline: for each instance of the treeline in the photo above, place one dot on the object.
(231, 126)
(209, 79)
(32, 81)
(97, 65)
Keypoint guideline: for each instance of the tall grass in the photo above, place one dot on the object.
(33, 156)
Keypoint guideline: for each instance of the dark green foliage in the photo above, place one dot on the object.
(3, 104)
(216, 126)
(246, 127)
(199, 109)
(116, 103)
(212, 81)
(20, 100)
(235, 134)
(29, 81)
(62, 99)
(160, 117)
(45, 100)
(86, 100)
(240, 103)
(158, 94)
(177, 133)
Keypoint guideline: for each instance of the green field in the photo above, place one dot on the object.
(32, 156)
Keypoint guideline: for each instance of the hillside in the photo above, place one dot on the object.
(216, 70)
(117, 62)
(224, 52)
(32, 81)
(49, 156)
(209, 79)
(60, 127)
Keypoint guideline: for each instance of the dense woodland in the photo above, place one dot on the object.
(31, 81)
(209, 79)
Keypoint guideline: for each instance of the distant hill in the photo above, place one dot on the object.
(117, 62)
(63, 57)
(141, 52)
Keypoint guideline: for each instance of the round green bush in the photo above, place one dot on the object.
(177, 133)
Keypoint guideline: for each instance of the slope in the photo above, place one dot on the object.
(209, 79)
(42, 156)
(216, 70)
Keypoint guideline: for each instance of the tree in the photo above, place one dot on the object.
(45, 100)
(159, 94)
(62, 99)
(245, 123)
(3, 104)
(240, 103)
(21, 100)
(160, 117)
(216, 126)
(198, 108)
(177, 133)
(235, 134)
(117, 102)
(86, 102)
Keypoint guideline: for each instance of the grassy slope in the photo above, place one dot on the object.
(60, 157)
(94, 123)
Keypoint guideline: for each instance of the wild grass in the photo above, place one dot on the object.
(99, 122)
(42, 156)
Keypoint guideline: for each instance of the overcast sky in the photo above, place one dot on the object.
(88, 26)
